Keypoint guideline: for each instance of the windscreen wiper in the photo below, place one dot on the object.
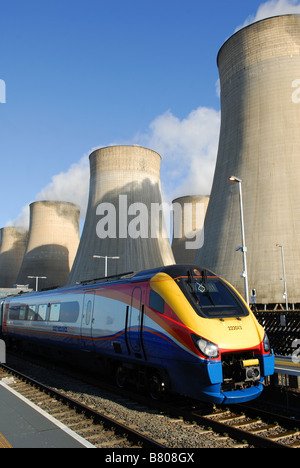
(206, 292)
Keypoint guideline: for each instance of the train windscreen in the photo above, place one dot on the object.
(211, 297)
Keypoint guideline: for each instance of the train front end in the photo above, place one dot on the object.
(220, 352)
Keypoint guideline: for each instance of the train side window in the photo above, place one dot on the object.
(31, 312)
(156, 302)
(69, 312)
(14, 312)
(54, 312)
(88, 312)
(42, 312)
(22, 314)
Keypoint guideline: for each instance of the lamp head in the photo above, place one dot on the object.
(234, 179)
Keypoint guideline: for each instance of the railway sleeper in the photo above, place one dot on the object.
(284, 435)
(246, 423)
(255, 430)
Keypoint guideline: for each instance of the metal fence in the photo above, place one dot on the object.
(283, 329)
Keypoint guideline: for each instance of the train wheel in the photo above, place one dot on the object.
(156, 387)
(121, 377)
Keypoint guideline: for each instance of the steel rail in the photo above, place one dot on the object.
(232, 431)
(285, 421)
(119, 428)
(238, 434)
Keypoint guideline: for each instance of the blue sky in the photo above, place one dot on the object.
(82, 74)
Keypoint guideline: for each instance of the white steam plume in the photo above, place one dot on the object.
(273, 8)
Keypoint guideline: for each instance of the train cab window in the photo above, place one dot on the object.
(212, 298)
(156, 302)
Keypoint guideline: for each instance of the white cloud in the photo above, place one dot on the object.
(273, 8)
(188, 148)
(70, 186)
(22, 220)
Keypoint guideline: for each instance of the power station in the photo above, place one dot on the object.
(52, 244)
(259, 144)
(12, 249)
(124, 230)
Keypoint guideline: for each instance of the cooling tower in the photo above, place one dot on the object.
(12, 249)
(52, 244)
(259, 143)
(188, 220)
(122, 217)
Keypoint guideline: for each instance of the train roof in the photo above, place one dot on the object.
(174, 271)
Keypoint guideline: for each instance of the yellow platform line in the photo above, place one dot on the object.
(3, 442)
(286, 363)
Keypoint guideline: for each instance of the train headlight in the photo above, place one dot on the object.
(207, 348)
(266, 344)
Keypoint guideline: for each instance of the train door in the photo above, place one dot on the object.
(87, 320)
(135, 324)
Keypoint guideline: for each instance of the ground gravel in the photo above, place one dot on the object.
(174, 433)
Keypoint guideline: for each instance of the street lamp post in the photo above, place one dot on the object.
(284, 278)
(106, 259)
(37, 280)
(243, 248)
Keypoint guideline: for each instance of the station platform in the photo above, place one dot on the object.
(25, 425)
(287, 365)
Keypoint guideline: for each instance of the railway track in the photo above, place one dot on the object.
(186, 424)
(97, 428)
(248, 425)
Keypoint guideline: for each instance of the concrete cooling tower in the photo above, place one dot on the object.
(122, 217)
(12, 249)
(259, 143)
(52, 244)
(188, 220)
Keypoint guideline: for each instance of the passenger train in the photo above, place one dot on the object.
(178, 328)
